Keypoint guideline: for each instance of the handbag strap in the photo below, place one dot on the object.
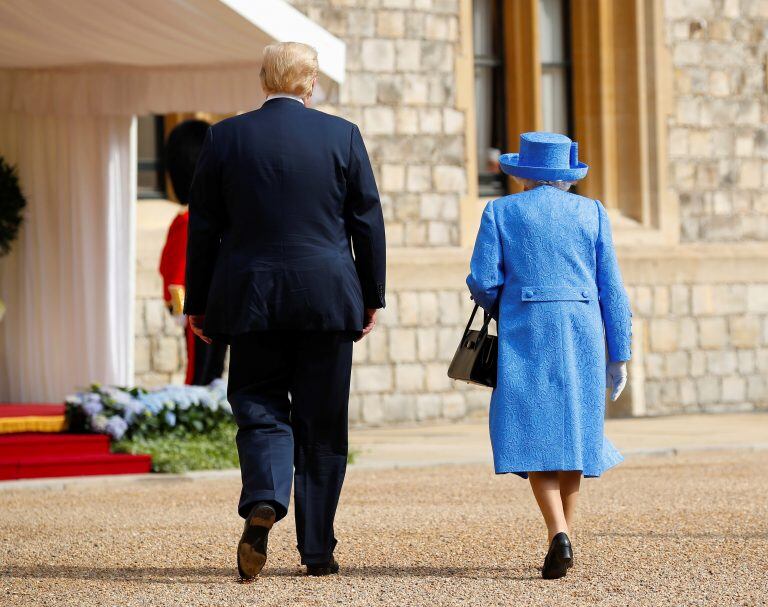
(486, 322)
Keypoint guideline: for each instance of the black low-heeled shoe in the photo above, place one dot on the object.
(559, 558)
(330, 568)
(252, 549)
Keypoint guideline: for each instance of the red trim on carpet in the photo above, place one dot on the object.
(73, 465)
(41, 444)
(24, 410)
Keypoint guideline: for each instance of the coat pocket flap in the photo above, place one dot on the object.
(557, 294)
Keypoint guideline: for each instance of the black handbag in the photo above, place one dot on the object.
(477, 356)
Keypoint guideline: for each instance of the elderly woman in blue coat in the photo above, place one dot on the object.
(544, 266)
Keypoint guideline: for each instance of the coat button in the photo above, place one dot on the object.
(528, 294)
(585, 294)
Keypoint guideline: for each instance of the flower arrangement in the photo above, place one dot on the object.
(139, 413)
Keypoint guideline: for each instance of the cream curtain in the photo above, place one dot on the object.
(68, 283)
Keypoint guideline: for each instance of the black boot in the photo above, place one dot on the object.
(329, 568)
(252, 549)
(558, 559)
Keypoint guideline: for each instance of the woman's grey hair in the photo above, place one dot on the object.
(532, 183)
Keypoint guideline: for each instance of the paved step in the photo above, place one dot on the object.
(73, 465)
(43, 443)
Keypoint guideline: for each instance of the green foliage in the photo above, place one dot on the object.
(180, 451)
(12, 204)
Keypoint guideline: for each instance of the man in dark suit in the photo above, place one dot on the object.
(286, 262)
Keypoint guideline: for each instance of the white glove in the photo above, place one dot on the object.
(616, 378)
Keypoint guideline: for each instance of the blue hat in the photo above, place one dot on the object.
(545, 157)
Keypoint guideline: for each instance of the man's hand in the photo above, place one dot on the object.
(196, 324)
(616, 378)
(370, 322)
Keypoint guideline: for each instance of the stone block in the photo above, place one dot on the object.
(429, 311)
(708, 390)
(437, 377)
(373, 378)
(409, 308)
(734, 389)
(360, 89)
(454, 406)
(437, 27)
(165, 354)
(676, 364)
(450, 179)
(399, 407)
(372, 409)
(757, 389)
(402, 345)
(713, 333)
(408, 55)
(379, 120)
(428, 406)
(453, 121)
(687, 392)
(360, 351)
(409, 377)
(419, 178)
(745, 331)
(390, 24)
(430, 120)
(407, 121)
(750, 175)
(664, 335)
(643, 301)
(142, 359)
(722, 362)
(392, 177)
(660, 301)
(439, 233)
(680, 300)
(698, 363)
(378, 55)
(654, 365)
(450, 308)
(447, 341)
(415, 89)
(757, 298)
(687, 333)
(378, 345)
(389, 90)
(746, 361)
(718, 299)
(426, 344)
(154, 316)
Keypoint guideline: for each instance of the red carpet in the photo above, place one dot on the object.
(25, 453)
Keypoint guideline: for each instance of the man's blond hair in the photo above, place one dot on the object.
(288, 67)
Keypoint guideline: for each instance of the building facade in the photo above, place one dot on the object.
(668, 102)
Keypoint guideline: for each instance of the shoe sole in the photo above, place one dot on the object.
(251, 551)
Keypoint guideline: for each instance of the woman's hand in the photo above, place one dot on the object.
(616, 378)
(196, 324)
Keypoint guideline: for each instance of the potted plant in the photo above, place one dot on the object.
(12, 205)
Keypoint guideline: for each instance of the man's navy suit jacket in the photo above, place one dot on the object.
(281, 198)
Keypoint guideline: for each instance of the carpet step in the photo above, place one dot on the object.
(42, 444)
(73, 465)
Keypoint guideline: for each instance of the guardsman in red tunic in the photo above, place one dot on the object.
(205, 362)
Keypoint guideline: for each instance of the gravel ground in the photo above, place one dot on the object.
(685, 530)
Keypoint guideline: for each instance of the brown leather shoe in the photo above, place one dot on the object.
(252, 549)
(330, 568)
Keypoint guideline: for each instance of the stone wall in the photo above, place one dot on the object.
(400, 90)
(718, 138)
(705, 346)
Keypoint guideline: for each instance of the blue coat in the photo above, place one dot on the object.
(545, 266)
